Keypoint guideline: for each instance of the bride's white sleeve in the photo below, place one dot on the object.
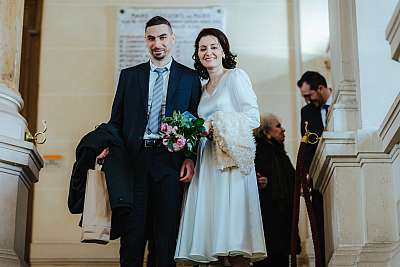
(245, 98)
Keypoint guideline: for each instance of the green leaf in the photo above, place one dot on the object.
(199, 122)
(201, 130)
(189, 146)
(170, 146)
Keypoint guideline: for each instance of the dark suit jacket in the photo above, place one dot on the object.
(311, 114)
(129, 111)
(116, 167)
(87, 150)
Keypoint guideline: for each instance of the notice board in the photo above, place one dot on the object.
(186, 24)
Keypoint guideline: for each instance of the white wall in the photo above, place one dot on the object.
(314, 23)
(314, 37)
(379, 74)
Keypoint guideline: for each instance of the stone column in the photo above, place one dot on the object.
(356, 166)
(11, 22)
(343, 120)
(19, 160)
(345, 115)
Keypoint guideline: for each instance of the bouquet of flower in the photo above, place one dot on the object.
(182, 131)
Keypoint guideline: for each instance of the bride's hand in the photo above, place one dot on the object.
(209, 129)
(208, 125)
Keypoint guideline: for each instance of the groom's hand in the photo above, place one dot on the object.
(187, 171)
(103, 155)
(262, 181)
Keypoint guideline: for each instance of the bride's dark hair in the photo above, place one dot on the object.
(229, 62)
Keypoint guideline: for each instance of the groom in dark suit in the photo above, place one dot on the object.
(145, 94)
(314, 88)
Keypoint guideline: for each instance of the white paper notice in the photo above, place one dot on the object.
(186, 24)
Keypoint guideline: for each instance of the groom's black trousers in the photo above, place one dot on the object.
(157, 196)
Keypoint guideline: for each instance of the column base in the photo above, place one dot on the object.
(19, 169)
(377, 255)
(8, 258)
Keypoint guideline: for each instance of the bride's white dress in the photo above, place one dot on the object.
(221, 212)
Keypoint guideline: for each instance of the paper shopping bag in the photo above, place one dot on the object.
(96, 222)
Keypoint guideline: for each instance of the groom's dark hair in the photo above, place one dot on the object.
(313, 78)
(157, 20)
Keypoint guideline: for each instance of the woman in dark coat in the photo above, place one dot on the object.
(276, 177)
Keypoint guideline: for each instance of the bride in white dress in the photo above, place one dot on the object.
(221, 216)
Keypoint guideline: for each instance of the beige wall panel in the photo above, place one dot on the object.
(77, 71)
(259, 24)
(268, 67)
(56, 174)
(78, 25)
(55, 221)
(74, 254)
(70, 117)
(280, 103)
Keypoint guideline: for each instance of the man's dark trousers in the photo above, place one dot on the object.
(157, 205)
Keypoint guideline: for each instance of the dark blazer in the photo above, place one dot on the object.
(87, 150)
(116, 167)
(311, 114)
(129, 111)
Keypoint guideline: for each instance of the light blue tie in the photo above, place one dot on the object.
(156, 102)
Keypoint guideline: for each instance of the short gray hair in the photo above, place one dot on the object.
(265, 124)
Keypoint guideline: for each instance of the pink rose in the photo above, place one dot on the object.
(169, 129)
(181, 142)
(163, 127)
